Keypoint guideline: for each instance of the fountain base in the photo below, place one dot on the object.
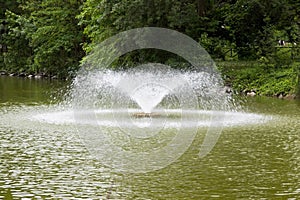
(145, 115)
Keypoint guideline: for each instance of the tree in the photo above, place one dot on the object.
(18, 56)
(5, 6)
(104, 18)
(253, 24)
(55, 36)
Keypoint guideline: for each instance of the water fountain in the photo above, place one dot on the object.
(122, 115)
(144, 118)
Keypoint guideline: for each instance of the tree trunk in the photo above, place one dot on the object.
(298, 85)
(201, 7)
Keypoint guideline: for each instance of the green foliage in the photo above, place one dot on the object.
(249, 27)
(56, 37)
(44, 38)
(11, 5)
(19, 54)
(297, 70)
(216, 47)
(53, 36)
(104, 18)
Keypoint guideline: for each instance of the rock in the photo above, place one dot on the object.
(12, 74)
(41, 75)
(44, 75)
(38, 76)
(251, 94)
(246, 91)
(290, 96)
(22, 74)
(30, 76)
(228, 89)
(3, 73)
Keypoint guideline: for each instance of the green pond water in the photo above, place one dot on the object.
(46, 161)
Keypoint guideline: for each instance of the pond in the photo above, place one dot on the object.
(49, 161)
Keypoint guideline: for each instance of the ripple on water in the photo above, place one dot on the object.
(48, 161)
(43, 162)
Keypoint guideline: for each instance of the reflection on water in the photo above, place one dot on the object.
(28, 91)
(48, 161)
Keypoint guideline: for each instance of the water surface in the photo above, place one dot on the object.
(48, 161)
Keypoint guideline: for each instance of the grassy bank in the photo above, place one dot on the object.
(261, 77)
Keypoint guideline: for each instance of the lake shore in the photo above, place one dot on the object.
(261, 79)
(236, 80)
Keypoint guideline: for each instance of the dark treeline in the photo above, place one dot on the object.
(52, 36)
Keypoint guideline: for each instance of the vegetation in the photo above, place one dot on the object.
(261, 77)
(51, 37)
(42, 37)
